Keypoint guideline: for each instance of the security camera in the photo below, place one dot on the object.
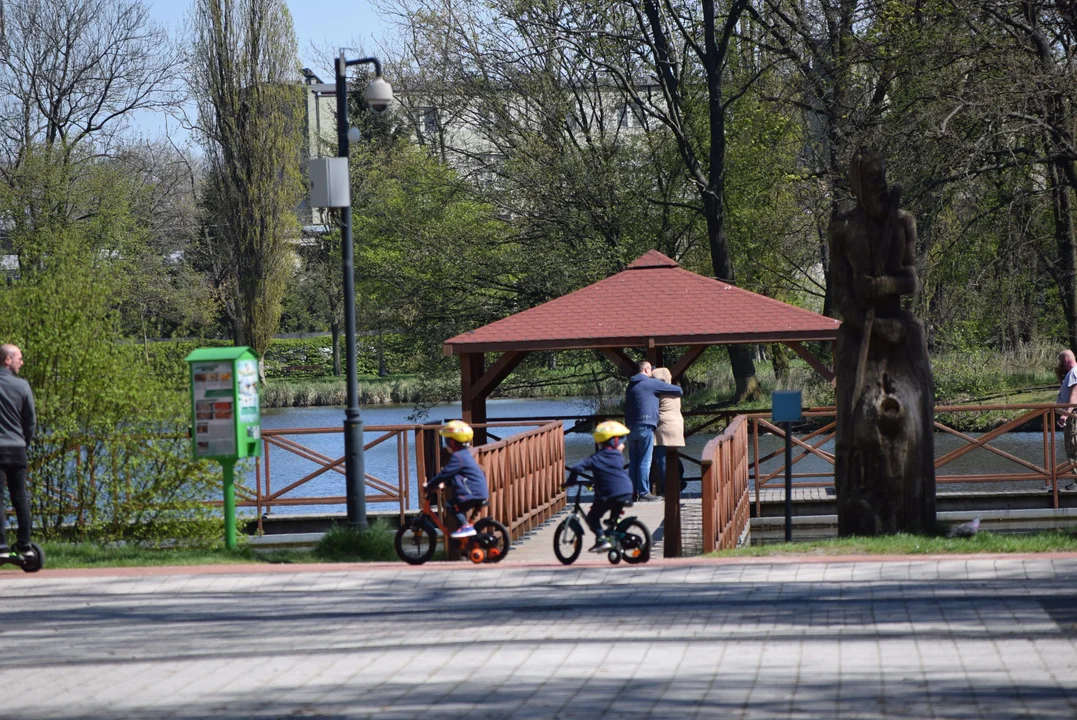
(379, 95)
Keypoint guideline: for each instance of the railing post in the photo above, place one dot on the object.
(258, 491)
(755, 464)
(1054, 459)
(672, 543)
(265, 454)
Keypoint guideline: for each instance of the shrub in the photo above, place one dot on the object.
(344, 543)
(111, 461)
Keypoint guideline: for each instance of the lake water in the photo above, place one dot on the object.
(381, 461)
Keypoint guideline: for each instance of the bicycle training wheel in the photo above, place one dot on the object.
(415, 543)
(493, 537)
(567, 543)
(635, 541)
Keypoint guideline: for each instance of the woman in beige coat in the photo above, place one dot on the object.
(670, 429)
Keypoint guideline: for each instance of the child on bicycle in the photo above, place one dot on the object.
(463, 475)
(612, 486)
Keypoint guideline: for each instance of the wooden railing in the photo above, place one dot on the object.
(525, 473)
(724, 492)
(534, 455)
(1045, 475)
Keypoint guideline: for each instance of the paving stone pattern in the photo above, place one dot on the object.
(957, 638)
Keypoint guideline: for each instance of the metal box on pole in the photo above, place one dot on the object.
(226, 422)
(786, 408)
(329, 186)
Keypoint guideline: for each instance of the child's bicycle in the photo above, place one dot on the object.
(417, 539)
(29, 562)
(630, 539)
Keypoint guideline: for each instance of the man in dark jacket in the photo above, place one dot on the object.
(463, 475)
(613, 489)
(17, 425)
(641, 417)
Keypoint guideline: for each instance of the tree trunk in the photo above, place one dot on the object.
(334, 329)
(382, 372)
(1062, 207)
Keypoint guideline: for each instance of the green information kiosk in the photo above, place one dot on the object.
(225, 417)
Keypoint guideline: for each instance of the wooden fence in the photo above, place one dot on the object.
(1033, 473)
(525, 473)
(724, 492)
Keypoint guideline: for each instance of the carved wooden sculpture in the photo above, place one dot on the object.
(884, 463)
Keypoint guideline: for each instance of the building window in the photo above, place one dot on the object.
(632, 116)
(430, 122)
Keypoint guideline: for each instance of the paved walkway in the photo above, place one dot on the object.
(870, 638)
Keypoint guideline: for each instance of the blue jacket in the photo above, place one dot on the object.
(464, 475)
(607, 469)
(641, 399)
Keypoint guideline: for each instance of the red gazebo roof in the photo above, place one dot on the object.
(652, 302)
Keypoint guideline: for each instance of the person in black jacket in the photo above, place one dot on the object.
(17, 426)
(463, 475)
(613, 488)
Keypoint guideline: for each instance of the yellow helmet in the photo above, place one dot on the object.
(458, 430)
(609, 429)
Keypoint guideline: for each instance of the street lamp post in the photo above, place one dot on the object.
(379, 96)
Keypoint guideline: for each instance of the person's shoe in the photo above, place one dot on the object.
(5, 550)
(601, 545)
(647, 497)
(1071, 486)
(466, 531)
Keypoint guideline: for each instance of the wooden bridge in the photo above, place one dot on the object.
(736, 478)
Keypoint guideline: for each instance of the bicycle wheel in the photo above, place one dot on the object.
(415, 542)
(567, 543)
(635, 541)
(493, 537)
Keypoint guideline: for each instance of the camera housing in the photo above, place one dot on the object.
(378, 95)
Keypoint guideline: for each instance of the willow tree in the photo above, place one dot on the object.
(250, 109)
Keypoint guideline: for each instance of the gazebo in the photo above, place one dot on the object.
(654, 303)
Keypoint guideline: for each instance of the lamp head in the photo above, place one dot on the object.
(378, 95)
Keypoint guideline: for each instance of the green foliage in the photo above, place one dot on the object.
(105, 465)
(243, 76)
(345, 543)
(431, 261)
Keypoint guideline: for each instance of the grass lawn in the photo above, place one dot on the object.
(340, 544)
(984, 542)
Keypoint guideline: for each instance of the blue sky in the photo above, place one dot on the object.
(332, 23)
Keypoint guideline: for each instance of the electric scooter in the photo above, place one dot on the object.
(30, 561)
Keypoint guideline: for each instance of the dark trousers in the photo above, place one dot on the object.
(463, 509)
(13, 474)
(613, 506)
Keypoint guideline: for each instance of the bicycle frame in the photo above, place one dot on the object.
(427, 510)
(577, 519)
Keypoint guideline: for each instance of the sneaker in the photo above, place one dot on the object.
(466, 531)
(647, 497)
(1071, 486)
(601, 545)
(4, 550)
